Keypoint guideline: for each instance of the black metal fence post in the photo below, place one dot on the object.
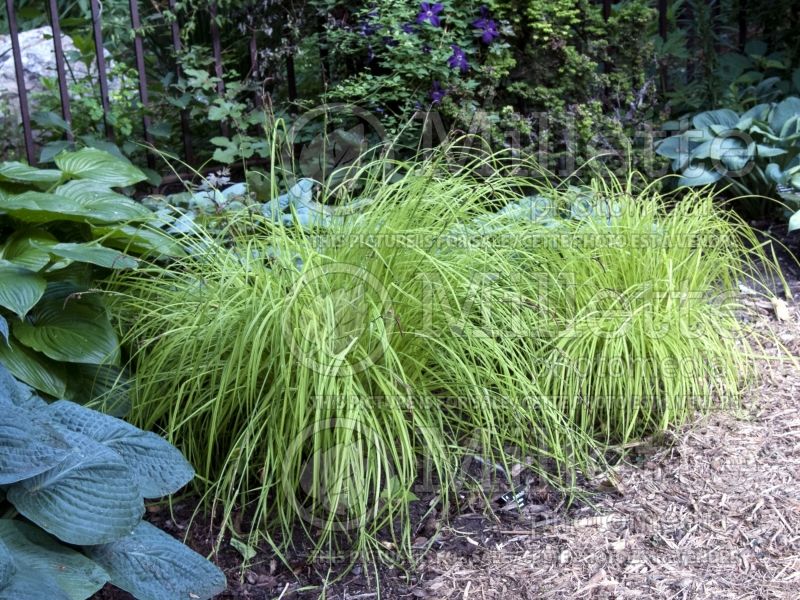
(19, 72)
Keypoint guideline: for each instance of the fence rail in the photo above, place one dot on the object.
(216, 43)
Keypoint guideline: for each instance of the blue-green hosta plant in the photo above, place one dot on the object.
(72, 483)
(59, 230)
(756, 152)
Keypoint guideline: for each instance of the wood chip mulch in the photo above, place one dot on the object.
(715, 515)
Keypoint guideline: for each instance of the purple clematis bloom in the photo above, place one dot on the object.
(487, 26)
(437, 93)
(408, 28)
(488, 30)
(430, 13)
(458, 60)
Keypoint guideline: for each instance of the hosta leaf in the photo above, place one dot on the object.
(20, 249)
(7, 567)
(757, 113)
(143, 240)
(782, 112)
(774, 172)
(82, 189)
(21, 173)
(39, 207)
(672, 147)
(100, 166)
(92, 253)
(42, 555)
(36, 370)
(696, 175)
(29, 446)
(769, 151)
(20, 289)
(158, 467)
(151, 565)
(30, 586)
(88, 498)
(794, 222)
(17, 393)
(723, 116)
(4, 331)
(70, 329)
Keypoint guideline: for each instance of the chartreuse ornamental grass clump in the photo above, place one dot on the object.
(312, 376)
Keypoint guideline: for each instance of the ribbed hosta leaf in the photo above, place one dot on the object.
(20, 249)
(92, 253)
(28, 445)
(40, 207)
(42, 555)
(7, 567)
(13, 391)
(20, 289)
(33, 368)
(158, 467)
(22, 173)
(69, 329)
(100, 166)
(88, 498)
(143, 240)
(151, 565)
(32, 586)
(83, 189)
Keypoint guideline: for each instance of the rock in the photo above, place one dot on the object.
(39, 61)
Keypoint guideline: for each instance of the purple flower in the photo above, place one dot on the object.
(430, 13)
(487, 26)
(488, 30)
(366, 29)
(408, 28)
(458, 60)
(437, 93)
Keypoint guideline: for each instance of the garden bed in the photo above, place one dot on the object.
(711, 511)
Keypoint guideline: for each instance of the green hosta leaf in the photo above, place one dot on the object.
(21, 173)
(39, 553)
(34, 369)
(100, 166)
(88, 498)
(30, 445)
(92, 253)
(143, 240)
(22, 248)
(782, 112)
(38, 207)
(151, 565)
(20, 289)
(158, 467)
(697, 175)
(69, 329)
(82, 190)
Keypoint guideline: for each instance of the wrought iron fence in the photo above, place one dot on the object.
(216, 43)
